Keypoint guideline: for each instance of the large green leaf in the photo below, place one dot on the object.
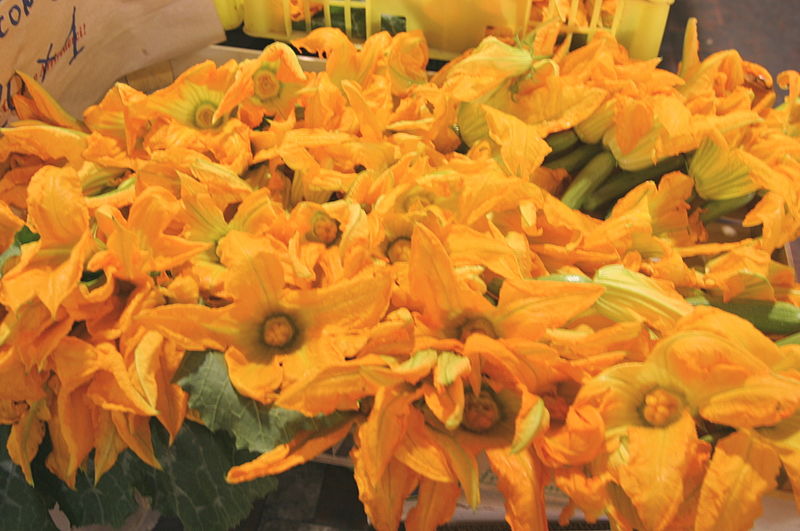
(192, 484)
(256, 427)
(109, 502)
(22, 507)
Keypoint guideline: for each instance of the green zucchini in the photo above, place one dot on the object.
(771, 317)
(793, 339)
(575, 159)
(561, 142)
(717, 208)
(588, 179)
(625, 181)
(558, 277)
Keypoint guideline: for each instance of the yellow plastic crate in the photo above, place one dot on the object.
(452, 26)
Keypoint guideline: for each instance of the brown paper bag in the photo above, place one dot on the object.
(77, 49)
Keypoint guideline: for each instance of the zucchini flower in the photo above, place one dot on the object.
(713, 375)
(632, 296)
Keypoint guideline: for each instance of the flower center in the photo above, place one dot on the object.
(203, 115)
(324, 228)
(278, 331)
(399, 250)
(266, 84)
(476, 325)
(481, 412)
(661, 407)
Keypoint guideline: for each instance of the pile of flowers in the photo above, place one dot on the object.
(509, 259)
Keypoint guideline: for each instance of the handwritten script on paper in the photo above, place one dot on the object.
(77, 49)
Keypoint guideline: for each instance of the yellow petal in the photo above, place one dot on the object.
(107, 444)
(436, 503)
(653, 475)
(337, 387)
(761, 401)
(47, 109)
(522, 148)
(521, 479)
(257, 379)
(304, 447)
(134, 430)
(56, 206)
(383, 500)
(463, 464)
(741, 471)
(446, 404)
(25, 437)
(432, 278)
(384, 428)
(420, 452)
(577, 442)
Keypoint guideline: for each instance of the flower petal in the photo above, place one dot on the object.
(742, 470)
(653, 475)
(304, 447)
(521, 479)
(436, 502)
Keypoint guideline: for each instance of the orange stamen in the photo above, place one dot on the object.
(278, 331)
(661, 407)
(399, 250)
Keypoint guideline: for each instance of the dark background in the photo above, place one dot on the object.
(318, 497)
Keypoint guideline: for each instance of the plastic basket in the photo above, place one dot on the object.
(452, 26)
(641, 26)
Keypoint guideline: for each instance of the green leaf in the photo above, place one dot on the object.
(256, 427)
(192, 484)
(21, 506)
(109, 502)
(23, 236)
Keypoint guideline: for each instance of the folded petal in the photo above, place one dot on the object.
(741, 471)
(304, 447)
(653, 475)
(521, 478)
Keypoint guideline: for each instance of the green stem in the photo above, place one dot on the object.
(575, 159)
(717, 208)
(560, 143)
(588, 179)
(626, 181)
(793, 339)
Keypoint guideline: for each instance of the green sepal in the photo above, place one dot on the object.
(449, 367)
(23, 236)
(535, 420)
